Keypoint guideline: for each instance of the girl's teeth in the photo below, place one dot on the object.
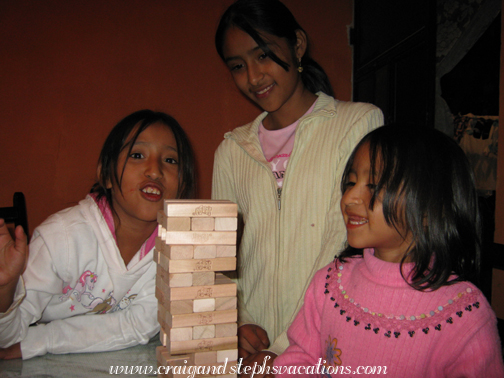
(265, 89)
(151, 191)
(357, 222)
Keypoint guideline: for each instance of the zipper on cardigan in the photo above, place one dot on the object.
(279, 195)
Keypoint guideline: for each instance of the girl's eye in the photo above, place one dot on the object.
(171, 161)
(236, 67)
(349, 185)
(136, 155)
(372, 187)
(263, 56)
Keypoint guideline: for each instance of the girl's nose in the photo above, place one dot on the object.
(353, 196)
(255, 74)
(153, 170)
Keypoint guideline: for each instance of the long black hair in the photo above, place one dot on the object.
(116, 142)
(272, 17)
(426, 185)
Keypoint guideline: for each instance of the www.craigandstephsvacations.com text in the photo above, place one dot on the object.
(236, 367)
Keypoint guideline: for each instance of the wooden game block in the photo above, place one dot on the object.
(159, 295)
(200, 318)
(220, 264)
(200, 292)
(225, 251)
(202, 345)
(178, 224)
(160, 245)
(200, 237)
(226, 329)
(226, 224)
(204, 305)
(180, 252)
(205, 251)
(163, 337)
(180, 279)
(205, 358)
(161, 218)
(180, 307)
(227, 355)
(203, 278)
(182, 334)
(201, 224)
(194, 208)
(202, 332)
(164, 358)
(156, 256)
(225, 303)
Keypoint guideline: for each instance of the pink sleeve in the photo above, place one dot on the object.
(304, 334)
(481, 355)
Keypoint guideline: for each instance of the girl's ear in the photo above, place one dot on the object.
(301, 44)
(108, 184)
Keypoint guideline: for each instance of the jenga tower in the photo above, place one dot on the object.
(197, 306)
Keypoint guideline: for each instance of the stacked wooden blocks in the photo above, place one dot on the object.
(197, 306)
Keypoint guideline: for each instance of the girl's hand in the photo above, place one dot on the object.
(13, 258)
(14, 351)
(251, 339)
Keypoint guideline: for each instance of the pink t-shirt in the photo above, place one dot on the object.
(277, 146)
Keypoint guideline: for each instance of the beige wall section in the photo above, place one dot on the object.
(499, 208)
(70, 70)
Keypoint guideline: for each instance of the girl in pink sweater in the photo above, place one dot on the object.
(398, 301)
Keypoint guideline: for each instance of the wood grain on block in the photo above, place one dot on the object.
(181, 334)
(227, 329)
(203, 278)
(201, 318)
(219, 264)
(180, 307)
(205, 358)
(205, 251)
(201, 237)
(200, 208)
(226, 224)
(201, 224)
(193, 346)
(227, 355)
(160, 245)
(180, 279)
(200, 292)
(178, 224)
(156, 255)
(226, 303)
(202, 332)
(164, 358)
(180, 252)
(163, 337)
(225, 251)
(204, 305)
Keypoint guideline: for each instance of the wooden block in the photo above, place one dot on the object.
(202, 332)
(201, 318)
(195, 208)
(226, 224)
(225, 251)
(205, 251)
(219, 264)
(225, 330)
(178, 224)
(203, 278)
(227, 355)
(200, 292)
(164, 358)
(180, 252)
(204, 305)
(202, 224)
(182, 334)
(163, 337)
(205, 358)
(156, 256)
(202, 345)
(201, 237)
(225, 303)
(180, 279)
(180, 307)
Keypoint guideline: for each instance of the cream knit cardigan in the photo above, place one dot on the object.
(286, 238)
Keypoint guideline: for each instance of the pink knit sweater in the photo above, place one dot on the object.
(361, 315)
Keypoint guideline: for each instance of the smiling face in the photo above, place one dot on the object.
(368, 228)
(150, 175)
(261, 79)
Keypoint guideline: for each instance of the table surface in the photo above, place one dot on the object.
(89, 365)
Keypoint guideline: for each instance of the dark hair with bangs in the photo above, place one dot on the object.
(426, 186)
(271, 16)
(119, 139)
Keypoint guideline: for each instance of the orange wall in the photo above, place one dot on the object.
(499, 208)
(70, 70)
